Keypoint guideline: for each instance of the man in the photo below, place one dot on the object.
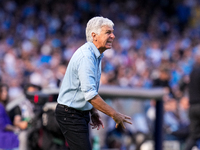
(23, 113)
(194, 100)
(78, 94)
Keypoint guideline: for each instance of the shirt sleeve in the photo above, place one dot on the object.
(13, 112)
(87, 76)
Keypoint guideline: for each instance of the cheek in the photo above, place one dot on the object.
(105, 40)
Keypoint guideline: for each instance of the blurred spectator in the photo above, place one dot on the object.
(40, 119)
(119, 138)
(175, 124)
(9, 139)
(163, 80)
(154, 53)
(183, 109)
(183, 115)
(60, 72)
(194, 100)
(21, 112)
(15, 90)
(23, 120)
(183, 85)
(151, 115)
(183, 13)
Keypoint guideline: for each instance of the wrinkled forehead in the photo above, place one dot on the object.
(107, 28)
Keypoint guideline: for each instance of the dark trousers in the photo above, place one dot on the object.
(194, 115)
(74, 126)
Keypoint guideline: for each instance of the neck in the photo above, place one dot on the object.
(101, 50)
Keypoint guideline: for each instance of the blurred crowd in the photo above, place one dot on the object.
(155, 45)
(39, 37)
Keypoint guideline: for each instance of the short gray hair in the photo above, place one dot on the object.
(95, 24)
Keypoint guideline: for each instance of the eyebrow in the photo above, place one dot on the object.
(109, 30)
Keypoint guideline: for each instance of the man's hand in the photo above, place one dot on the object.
(96, 121)
(120, 119)
(102, 106)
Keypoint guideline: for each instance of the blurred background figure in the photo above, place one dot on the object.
(176, 121)
(119, 138)
(21, 112)
(26, 115)
(8, 132)
(163, 79)
(194, 100)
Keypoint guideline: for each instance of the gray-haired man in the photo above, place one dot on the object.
(78, 94)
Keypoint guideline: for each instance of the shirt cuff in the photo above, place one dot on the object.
(90, 94)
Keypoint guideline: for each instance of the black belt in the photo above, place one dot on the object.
(73, 109)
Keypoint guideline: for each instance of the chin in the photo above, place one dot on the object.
(109, 47)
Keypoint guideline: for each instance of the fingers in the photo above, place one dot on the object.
(97, 125)
(128, 121)
(93, 126)
(102, 125)
(121, 119)
(127, 117)
(123, 126)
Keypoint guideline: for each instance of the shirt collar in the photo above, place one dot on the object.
(96, 51)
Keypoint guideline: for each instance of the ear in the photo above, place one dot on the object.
(94, 36)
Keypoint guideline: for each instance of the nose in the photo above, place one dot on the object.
(112, 35)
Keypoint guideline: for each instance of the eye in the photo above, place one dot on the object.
(108, 32)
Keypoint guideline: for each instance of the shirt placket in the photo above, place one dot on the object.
(98, 72)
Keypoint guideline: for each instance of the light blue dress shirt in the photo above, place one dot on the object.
(82, 77)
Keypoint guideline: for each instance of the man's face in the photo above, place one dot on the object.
(32, 89)
(104, 40)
